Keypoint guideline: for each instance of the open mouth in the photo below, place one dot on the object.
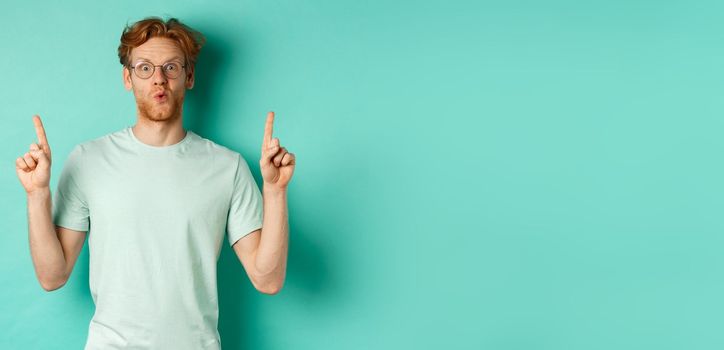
(160, 96)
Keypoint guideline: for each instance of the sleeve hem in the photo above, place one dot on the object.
(237, 234)
(76, 226)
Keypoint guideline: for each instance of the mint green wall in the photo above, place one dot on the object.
(471, 175)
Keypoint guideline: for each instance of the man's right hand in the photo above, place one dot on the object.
(33, 167)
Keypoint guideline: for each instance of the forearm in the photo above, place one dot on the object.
(45, 248)
(271, 254)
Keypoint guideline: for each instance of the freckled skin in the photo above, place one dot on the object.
(158, 51)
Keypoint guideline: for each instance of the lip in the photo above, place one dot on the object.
(160, 96)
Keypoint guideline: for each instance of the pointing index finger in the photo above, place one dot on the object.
(268, 129)
(40, 130)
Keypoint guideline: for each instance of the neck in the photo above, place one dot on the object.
(159, 134)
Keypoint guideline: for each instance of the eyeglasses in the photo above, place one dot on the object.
(145, 70)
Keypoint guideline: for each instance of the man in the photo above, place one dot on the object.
(155, 200)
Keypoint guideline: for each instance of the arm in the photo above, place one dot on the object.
(54, 249)
(263, 253)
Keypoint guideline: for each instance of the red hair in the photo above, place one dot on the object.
(188, 40)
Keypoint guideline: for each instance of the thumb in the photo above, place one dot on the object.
(267, 156)
(40, 157)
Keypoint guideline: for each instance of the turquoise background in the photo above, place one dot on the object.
(471, 175)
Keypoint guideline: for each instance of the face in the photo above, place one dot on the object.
(158, 98)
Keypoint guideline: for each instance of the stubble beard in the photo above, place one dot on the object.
(167, 112)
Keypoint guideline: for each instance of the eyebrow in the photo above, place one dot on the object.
(170, 59)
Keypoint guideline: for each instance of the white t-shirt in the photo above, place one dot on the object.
(156, 218)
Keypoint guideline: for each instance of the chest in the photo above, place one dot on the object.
(160, 193)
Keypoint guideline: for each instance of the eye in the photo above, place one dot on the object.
(145, 67)
(171, 67)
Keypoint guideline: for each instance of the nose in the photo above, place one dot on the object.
(158, 77)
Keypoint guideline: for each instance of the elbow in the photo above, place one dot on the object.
(270, 283)
(51, 284)
(273, 290)
(49, 287)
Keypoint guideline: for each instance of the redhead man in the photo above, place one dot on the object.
(157, 203)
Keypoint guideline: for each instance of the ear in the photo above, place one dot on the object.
(190, 79)
(127, 78)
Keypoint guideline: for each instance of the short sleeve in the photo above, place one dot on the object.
(246, 207)
(70, 207)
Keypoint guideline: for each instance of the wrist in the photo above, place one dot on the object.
(39, 193)
(273, 190)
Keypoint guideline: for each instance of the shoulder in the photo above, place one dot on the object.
(215, 150)
(98, 145)
(88, 148)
